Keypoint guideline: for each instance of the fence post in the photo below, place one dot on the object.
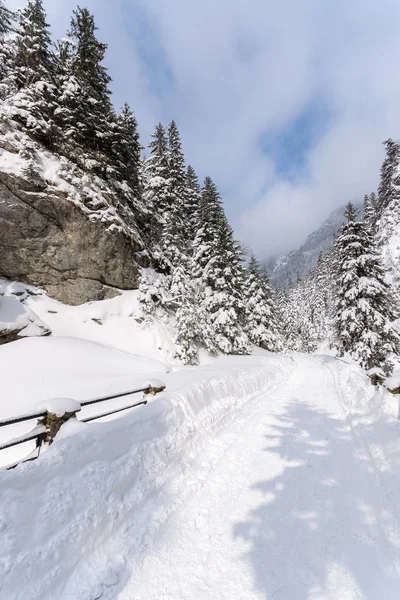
(154, 388)
(59, 411)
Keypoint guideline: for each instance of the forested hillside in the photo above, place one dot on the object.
(110, 214)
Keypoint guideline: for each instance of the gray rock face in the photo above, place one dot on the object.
(46, 240)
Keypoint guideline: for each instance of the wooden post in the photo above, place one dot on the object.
(59, 411)
(153, 390)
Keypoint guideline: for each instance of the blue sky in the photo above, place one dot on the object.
(284, 104)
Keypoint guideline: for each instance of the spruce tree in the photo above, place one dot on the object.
(388, 189)
(33, 74)
(187, 334)
(84, 106)
(34, 60)
(259, 309)
(369, 215)
(156, 175)
(7, 50)
(5, 19)
(193, 202)
(364, 311)
(174, 232)
(126, 148)
(217, 263)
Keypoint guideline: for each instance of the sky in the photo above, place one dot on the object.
(284, 104)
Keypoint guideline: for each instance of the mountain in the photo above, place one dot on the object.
(285, 270)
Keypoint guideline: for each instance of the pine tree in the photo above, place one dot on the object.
(5, 19)
(174, 233)
(369, 215)
(126, 148)
(187, 334)
(193, 202)
(33, 74)
(260, 311)
(156, 176)
(84, 108)
(7, 51)
(364, 308)
(388, 190)
(217, 263)
(290, 321)
(34, 61)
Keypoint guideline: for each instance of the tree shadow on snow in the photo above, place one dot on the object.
(314, 534)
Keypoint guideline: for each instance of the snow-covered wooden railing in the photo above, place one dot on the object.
(54, 413)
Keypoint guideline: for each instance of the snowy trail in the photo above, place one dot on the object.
(291, 511)
(253, 478)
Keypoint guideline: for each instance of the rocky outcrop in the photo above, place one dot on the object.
(47, 240)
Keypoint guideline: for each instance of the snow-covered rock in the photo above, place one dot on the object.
(18, 321)
(62, 228)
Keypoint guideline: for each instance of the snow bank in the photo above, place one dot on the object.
(57, 510)
(18, 318)
(116, 322)
(393, 382)
(35, 369)
(38, 368)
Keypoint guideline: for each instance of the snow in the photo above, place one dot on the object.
(33, 370)
(376, 371)
(255, 477)
(251, 477)
(59, 406)
(393, 382)
(117, 322)
(15, 316)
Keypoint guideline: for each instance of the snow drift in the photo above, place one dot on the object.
(84, 490)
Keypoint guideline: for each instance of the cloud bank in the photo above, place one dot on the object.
(284, 104)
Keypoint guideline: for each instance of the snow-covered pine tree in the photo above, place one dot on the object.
(174, 232)
(290, 324)
(187, 333)
(181, 295)
(126, 149)
(369, 215)
(259, 309)
(217, 263)
(34, 60)
(193, 202)
(33, 74)
(364, 313)
(5, 19)
(388, 190)
(7, 50)
(155, 192)
(84, 108)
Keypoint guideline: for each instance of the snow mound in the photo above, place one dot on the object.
(38, 368)
(17, 320)
(393, 382)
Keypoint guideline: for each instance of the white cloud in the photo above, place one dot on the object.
(242, 68)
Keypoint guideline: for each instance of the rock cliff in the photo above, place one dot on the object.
(61, 228)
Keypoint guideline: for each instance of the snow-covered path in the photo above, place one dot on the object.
(251, 478)
(293, 508)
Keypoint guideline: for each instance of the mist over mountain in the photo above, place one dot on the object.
(298, 263)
